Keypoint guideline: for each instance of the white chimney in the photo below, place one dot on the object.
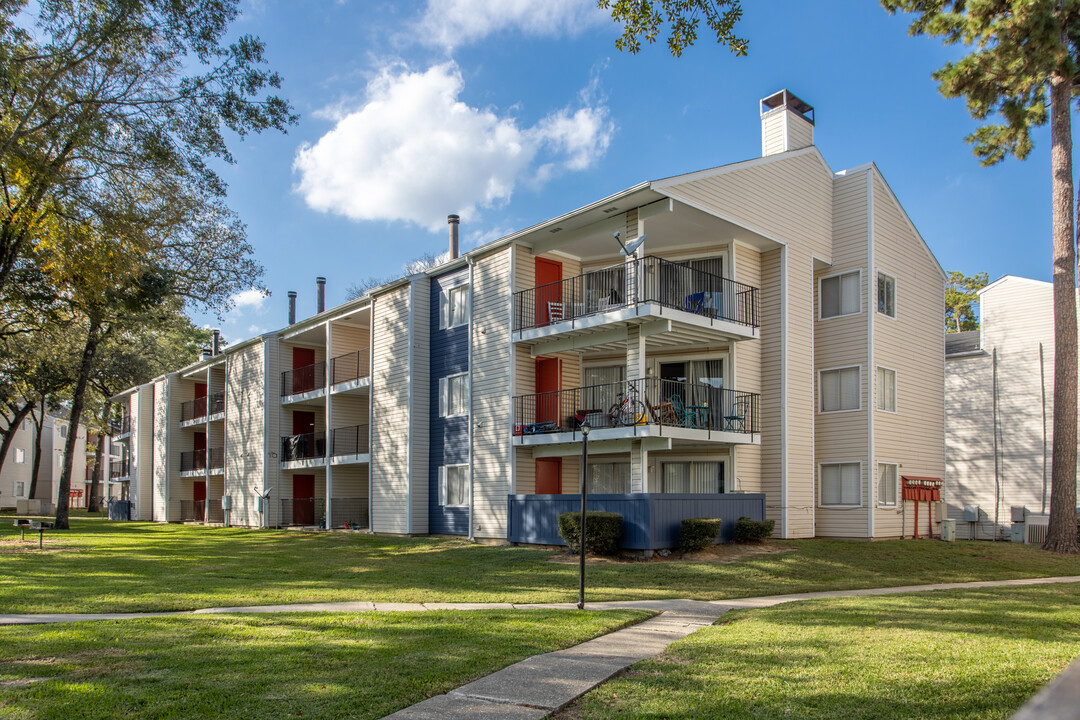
(453, 221)
(787, 123)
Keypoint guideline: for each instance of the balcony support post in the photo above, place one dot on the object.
(639, 467)
(329, 424)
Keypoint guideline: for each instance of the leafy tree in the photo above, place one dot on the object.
(644, 19)
(418, 265)
(1024, 69)
(961, 295)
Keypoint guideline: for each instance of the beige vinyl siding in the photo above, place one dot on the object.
(348, 339)
(490, 377)
(351, 482)
(525, 471)
(842, 437)
(746, 364)
(350, 410)
(800, 132)
(245, 425)
(912, 343)
(145, 477)
(390, 412)
(969, 440)
(162, 433)
(421, 402)
(771, 386)
(772, 131)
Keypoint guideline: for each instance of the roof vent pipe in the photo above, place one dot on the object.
(292, 307)
(321, 302)
(217, 341)
(453, 220)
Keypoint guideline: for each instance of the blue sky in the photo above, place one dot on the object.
(510, 112)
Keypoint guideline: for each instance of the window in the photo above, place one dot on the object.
(454, 395)
(840, 389)
(454, 307)
(63, 431)
(602, 387)
(841, 484)
(454, 485)
(887, 484)
(840, 295)
(886, 389)
(609, 478)
(20, 456)
(886, 294)
(692, 477)
(20, 489)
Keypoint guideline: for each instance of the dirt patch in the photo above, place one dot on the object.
(726, 553)
(22, 682)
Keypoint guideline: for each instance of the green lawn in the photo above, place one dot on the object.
(972, 654)
(103, 566)
(356, 665)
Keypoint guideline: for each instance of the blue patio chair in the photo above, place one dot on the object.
(735, 420)
(688, 417)
(695, 303)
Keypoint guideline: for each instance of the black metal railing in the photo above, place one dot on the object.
(214, 512)
(303, 379)
(312, 511)
(121, 426)
(646, 401)
(200, 460)
(193, 409)
(216, 404)
(303, 447)
(192, 511)
(647, 280)
(349, 440)
(350, 366)
(119, 469)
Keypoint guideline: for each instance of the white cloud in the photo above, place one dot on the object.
(415, 152)
(455, 23)
(252, 299)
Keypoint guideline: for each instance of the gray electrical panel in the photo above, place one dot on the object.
(971, 513)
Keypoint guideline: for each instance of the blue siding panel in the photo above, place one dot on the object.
(651, 521)
(449, 437)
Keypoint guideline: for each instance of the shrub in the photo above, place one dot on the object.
(699, 533)
(753, 531)
(602, 531)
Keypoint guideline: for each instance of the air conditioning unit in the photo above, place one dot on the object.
(1018, 513)
(1035, 528)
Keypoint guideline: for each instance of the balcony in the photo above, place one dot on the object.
(349, 444)
(306, 450)
(119, 469)
(303, 383)
(121, 428)
(641, 408)
(312, 511)
(674, 297)
(350, 372)
(202, 409)
(193, 511)
(198, 462)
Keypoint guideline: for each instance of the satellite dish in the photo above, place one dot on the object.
(631, 247)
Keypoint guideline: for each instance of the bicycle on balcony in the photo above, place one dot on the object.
(628, 409)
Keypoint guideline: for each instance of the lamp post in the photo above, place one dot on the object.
(584, 494)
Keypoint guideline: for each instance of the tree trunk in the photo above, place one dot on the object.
(1061, 535)
(77, 398)
(35, 471)
(12, 428)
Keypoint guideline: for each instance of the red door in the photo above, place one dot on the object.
(304, 443)
(199, 496)
(303, 422)
(200, 390)
(549, 476)
(303, 374)
(303, 492)
(200, 400)
(200, 454)
(548, 383)
(548, 291)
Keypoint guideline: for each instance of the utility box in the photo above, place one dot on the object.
(226, 502)
(971, 513)
(1016, 532)
(948, 529)
(1019, 513)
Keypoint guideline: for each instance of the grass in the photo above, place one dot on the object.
(972, 654)
(357, 665)
(102, 566)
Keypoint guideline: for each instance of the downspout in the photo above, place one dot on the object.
(783, 392)
(472, 327)
(871, 371)
(1042, 382)
(371, 425)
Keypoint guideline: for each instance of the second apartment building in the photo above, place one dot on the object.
(774, 338)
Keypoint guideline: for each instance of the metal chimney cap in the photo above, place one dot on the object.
(292, 293)
(453, 218)
(320, 280)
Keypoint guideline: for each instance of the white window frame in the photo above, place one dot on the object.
(447, 306)
(20, 456)
(821, 484)
(62, 430)
(444, 395)
(896, 484)
(444, 490)
(821, 395)
(821, 294)
(657, 470)
(877, 298)
(19, 489)
(877, 390)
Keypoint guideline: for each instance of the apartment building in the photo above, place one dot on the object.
(761, 339)
(15, 477)
(999, 401)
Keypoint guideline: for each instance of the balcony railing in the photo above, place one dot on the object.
(350, 366)
(349, 440)
(200, 460)
(303, 379)
(646, 401)
(193, 409)
(121, 426)
(648, 280)
(216, 404)
(303, 447)
(312, 511)
(192, 510)
(119, 469)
